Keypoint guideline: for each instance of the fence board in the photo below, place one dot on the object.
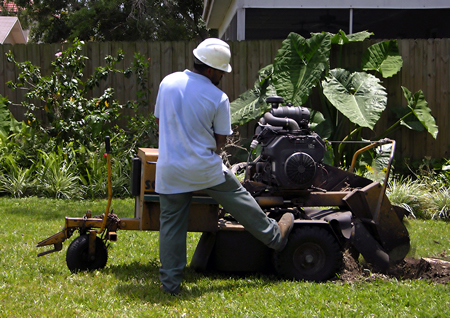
(241, 68)
(3, 72)
(155, 70)
(118, 81)
(104, 50)
(166, 59)
(442, 93)
(10, 74)
(130, 85)
(430, 78)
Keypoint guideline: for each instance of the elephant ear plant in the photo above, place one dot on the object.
(351, 100)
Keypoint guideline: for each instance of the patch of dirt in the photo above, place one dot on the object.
(431, 269)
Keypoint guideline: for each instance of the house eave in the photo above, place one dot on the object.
(215, 11)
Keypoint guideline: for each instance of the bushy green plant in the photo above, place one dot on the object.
(71, 116)
(7, 121)
(439, 204)
(94, 176)
(56, 177)
(15, 180)
(409, 194)
(121, 168)
(142, 127)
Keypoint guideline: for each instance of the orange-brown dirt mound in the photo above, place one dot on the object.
(431, 269)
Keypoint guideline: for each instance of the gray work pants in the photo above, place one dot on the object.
(234, 198)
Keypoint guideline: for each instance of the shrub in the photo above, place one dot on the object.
(408, 194)
(71, 116)
(439, 203)
(15, 180)
(56, 177)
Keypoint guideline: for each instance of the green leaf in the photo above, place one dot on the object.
(359, 96)
(341, 38)
(299, 65)
(383, 57)
(420, 110)
(7, 121)
(252, 104)
(319, 124)
(408, 119)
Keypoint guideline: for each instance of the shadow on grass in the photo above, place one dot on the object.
(139, 280)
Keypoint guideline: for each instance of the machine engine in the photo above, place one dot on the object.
(290, 151)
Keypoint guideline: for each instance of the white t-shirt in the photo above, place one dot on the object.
(190, 110)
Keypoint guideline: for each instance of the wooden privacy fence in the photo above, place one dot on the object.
(425, 67)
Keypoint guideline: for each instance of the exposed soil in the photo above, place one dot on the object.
(431, 269)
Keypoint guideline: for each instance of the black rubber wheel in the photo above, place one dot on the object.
(77, 257)
(312, 253)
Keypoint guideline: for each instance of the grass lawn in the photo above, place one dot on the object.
(129, 286)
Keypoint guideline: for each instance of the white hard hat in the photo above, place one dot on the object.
(215, 53)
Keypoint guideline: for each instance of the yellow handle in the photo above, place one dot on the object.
(108, 163)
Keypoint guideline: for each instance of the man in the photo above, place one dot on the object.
(193, 115)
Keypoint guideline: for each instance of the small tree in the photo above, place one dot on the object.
(71, 116)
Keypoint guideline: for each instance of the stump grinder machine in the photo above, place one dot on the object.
(334, 210)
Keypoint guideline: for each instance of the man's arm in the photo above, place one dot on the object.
(220, 142)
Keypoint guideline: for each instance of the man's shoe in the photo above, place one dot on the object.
(172, 293)
(286, 224)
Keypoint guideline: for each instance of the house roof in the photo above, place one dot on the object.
(11, 31)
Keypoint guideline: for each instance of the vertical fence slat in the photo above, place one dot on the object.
(142, 48)
(155, 70)
(3, 79)
(442, 92)
(103, 50)
(432, 145)
(117, 80)
(242, 68)
(166, 59)
(410, 85)
(3, 63)
(10, 75)
(438, 110)
(227, 83)
(129, 84)
(94, 62)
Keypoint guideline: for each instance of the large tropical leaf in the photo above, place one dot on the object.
(341, 38)
(320, 124)
(418, 115)
(359, 96)
(252, 104)
(299, 65)
(383, 57)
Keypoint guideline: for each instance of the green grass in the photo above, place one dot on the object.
(129, 286)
